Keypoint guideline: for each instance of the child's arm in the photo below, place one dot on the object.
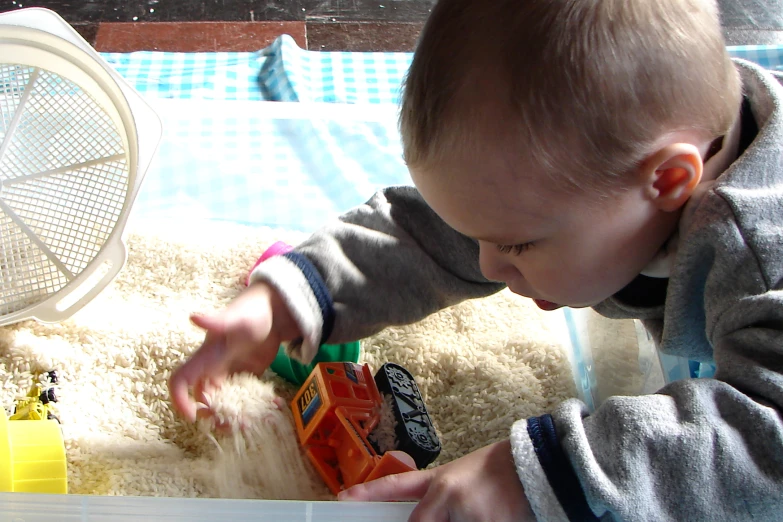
(389, 261)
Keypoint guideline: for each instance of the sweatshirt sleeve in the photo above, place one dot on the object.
(699, 449)
(388, 262)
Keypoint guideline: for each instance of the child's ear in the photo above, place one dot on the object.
(672, 174)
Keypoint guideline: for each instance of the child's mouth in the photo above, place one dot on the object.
(546, 305)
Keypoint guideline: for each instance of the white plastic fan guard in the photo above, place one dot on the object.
(69, 167)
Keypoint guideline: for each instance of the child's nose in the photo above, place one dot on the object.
(494, 265)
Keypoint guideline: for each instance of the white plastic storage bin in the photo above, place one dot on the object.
(19, 507)
(618, 357)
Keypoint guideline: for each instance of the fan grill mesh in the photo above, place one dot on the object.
(64, 178)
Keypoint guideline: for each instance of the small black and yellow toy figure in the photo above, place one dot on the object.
(37, 404)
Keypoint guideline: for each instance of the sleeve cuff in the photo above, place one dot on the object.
(302, 288)
(537, 489)
(549, 480)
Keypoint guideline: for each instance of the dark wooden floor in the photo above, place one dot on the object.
(352, 25)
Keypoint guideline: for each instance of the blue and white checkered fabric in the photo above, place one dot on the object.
(769, 56)
(293, 74)
(205, 76)
(284, 72)
(281, 72)
(249, 163)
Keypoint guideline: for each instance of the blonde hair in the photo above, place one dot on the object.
(606, 78)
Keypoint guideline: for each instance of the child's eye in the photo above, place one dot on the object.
(516, 249)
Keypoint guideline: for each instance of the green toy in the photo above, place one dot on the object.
(297, 373)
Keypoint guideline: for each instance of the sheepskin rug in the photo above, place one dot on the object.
(480, 366)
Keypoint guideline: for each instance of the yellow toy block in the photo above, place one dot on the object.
(32, 456)
(32, 452)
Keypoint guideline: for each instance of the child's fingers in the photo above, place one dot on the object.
(412, 485)
(211, 323)
(206, 363)
(432, 508)
(205, 388)
(180, 396)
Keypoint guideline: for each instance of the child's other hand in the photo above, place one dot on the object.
(482, 486)
(244, 337)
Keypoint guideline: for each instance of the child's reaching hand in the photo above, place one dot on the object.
(244, 337)
(481, 486)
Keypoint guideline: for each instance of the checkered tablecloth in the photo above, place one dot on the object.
(225, 158)
(284, 72)
(281, 72)
(291, 166)
(769, 56)
(203, 76)
(292, 74)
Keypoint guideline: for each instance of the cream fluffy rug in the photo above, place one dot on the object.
(480, 366)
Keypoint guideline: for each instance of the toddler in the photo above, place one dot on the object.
(603, 153)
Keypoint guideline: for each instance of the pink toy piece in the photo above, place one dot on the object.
(277, 249)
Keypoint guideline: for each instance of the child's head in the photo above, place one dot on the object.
(524, 119)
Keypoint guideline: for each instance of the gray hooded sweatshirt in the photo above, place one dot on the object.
(699, 449)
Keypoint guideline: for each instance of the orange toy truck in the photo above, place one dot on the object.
(337, 409)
